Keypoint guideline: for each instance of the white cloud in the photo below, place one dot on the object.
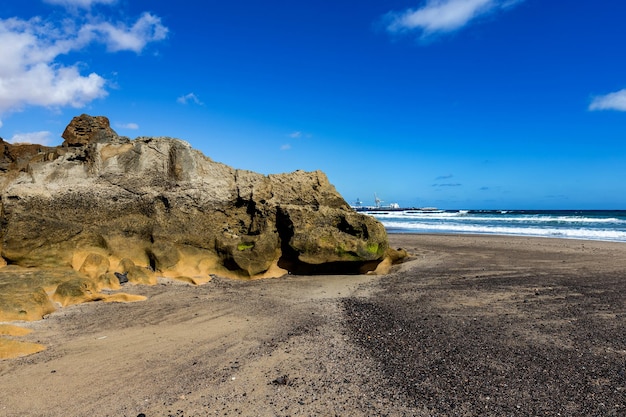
(285, 147)
(132, 126)
(611, 101)
(29, 74)
(30, 71)
(191, 97)
(295, 135)
(121, 37)
(42, 138)
(440, 16)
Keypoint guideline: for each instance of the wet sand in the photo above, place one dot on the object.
(471, 325)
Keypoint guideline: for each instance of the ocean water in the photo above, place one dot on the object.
(608, 225)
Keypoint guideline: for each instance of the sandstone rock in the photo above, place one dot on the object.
(123, 298)
(94, 265)
(17, 157)
(327, 240)
(102, 204)
(136, 274)
(31, 303)
(10, 349)
(85, 129)
(11, 330)
(396, 256)
(76, 291)
(108, 281)
(167, 208)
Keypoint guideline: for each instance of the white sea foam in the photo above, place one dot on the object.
(577, 225)
(470, 218)
(572, 233)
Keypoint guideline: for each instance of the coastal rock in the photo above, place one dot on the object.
(94, 265)
(24, 303)
(75, 291)
(101, 203)
(16, 158)
(85, 129)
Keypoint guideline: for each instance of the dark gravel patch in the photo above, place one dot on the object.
(539, 341)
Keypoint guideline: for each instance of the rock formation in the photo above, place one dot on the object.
(102, 203)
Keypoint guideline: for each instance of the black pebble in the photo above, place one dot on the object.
(123, 278)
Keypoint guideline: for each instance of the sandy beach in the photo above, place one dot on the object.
(470, 325)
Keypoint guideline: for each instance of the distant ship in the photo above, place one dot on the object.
(379, 208)
(358, 205)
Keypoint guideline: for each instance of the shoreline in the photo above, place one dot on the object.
(489, 324)
(452, 234)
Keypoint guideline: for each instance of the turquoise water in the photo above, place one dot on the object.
(609, 225)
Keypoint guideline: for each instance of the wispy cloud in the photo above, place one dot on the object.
(444, 177)
(611, 101)
(189, 98)
(299, 135)
(443, 16)
(30, 71)
(42, 138)
(85, 4)
(455, 184)
(131, 126)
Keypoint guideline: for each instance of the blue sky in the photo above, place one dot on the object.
(447, 103)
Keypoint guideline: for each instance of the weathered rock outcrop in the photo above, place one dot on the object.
(85, 129)
(102, 203)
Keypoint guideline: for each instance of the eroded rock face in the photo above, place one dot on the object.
(162, 206)
(85, 129)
